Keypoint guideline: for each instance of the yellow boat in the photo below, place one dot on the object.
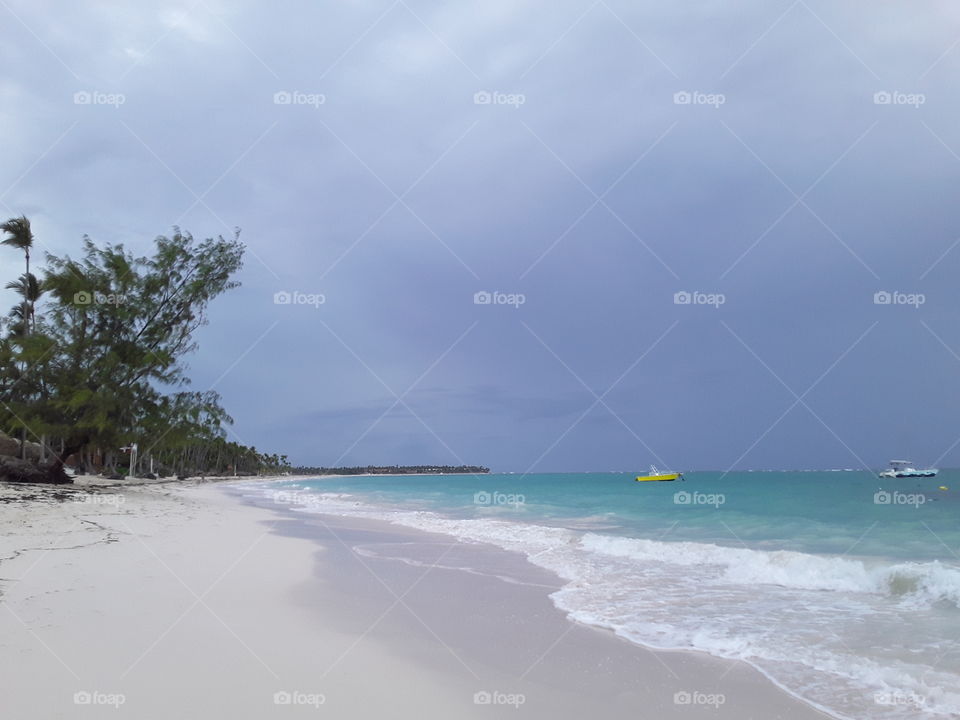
(657, 476)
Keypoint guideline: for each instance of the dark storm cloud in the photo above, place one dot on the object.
(396, 159)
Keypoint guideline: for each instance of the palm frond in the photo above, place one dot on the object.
(18, 232)
(27, 287)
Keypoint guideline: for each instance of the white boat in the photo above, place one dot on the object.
(905, 469)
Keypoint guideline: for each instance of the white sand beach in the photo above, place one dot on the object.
(181, 600)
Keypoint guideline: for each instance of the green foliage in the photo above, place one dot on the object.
(101, 363)
(122, 324)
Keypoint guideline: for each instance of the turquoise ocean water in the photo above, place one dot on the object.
(842, 587)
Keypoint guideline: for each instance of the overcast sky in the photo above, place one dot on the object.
(780, 163)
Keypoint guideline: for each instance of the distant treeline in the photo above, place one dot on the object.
(393, 470)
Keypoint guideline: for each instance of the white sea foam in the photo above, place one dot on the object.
(812, 623)
(926, 583)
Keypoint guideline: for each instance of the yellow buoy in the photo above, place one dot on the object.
(944, 487)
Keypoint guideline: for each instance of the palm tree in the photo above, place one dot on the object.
(30, 289)
(20, 236)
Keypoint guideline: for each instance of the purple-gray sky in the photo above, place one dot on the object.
(787, 159)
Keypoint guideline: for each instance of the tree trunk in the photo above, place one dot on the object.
(26, 332)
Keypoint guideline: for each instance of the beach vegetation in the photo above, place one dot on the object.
(92, 358)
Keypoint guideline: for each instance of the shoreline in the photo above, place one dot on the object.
(388, 528)
(90, 587)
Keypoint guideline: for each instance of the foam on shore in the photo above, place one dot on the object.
(778, 610)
